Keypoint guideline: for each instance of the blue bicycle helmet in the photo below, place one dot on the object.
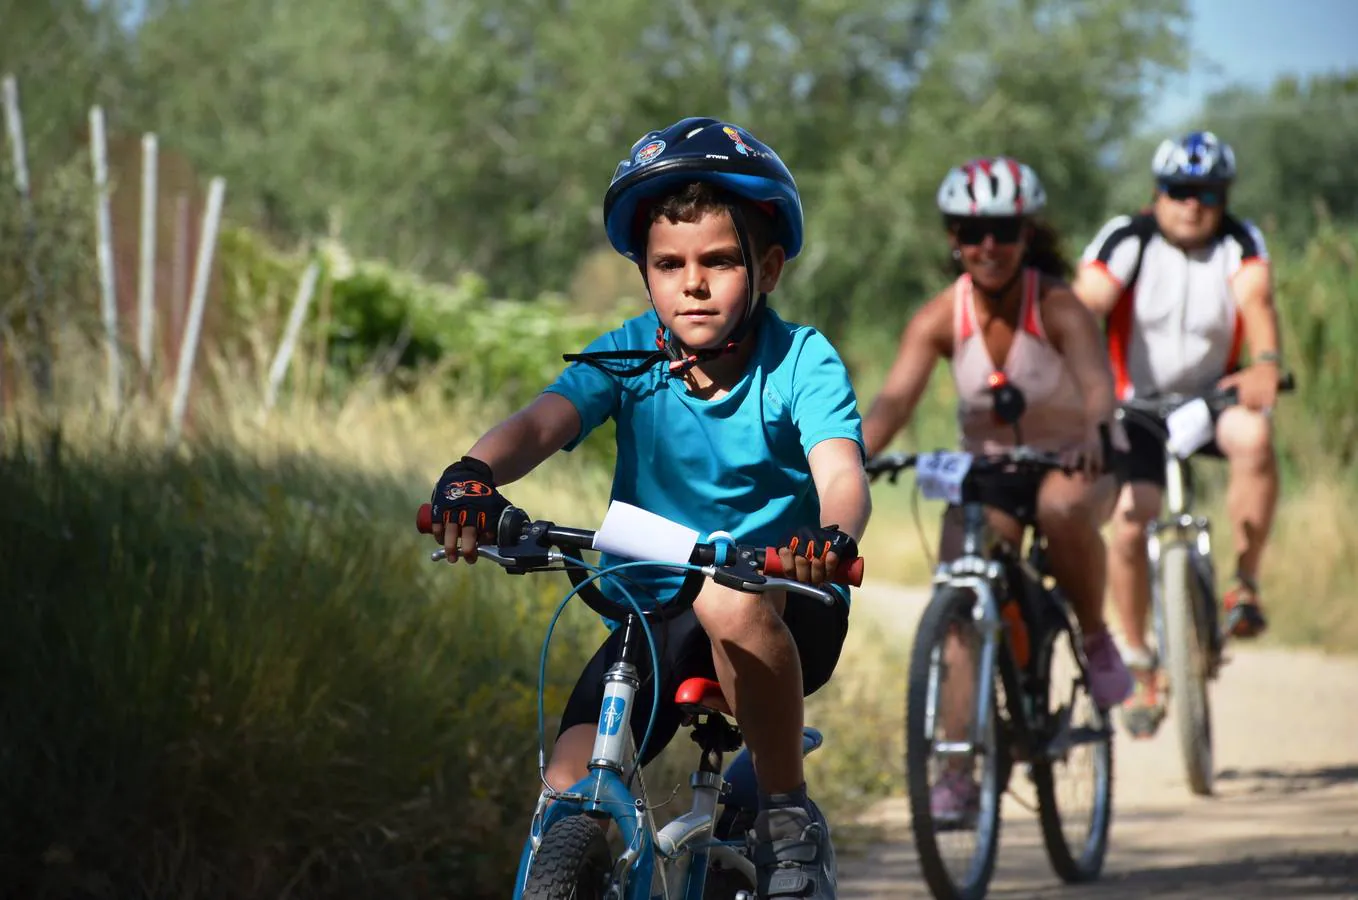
(700, 149)
(1199, 157)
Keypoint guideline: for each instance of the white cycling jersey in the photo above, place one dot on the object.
(1176, 327)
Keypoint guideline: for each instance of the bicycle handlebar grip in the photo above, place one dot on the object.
(849, 572)
(424, 519)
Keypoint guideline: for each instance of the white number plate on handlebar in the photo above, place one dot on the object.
(940, 474)
(634, 533)
(1190, 428)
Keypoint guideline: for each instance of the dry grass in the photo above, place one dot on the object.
(1309, 568)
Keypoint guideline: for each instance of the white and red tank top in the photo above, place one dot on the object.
(1054, 419)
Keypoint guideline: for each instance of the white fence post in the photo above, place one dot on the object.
(188, 347)
(179, 274)
(296, 317)
(99, 149)
(146, 284)
(41, 355)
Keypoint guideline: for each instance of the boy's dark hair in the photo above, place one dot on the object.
(696, 199)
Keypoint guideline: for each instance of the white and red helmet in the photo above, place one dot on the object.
(990, 187)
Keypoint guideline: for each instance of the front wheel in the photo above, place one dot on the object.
(1187, 665)
(573, 863)
(957, 837)
(1073, 773)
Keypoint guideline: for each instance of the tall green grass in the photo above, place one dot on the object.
(231, 671)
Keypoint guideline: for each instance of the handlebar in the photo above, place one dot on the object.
(523, 545)
(1160, 406)
(1013, 460)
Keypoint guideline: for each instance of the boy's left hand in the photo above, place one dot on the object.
(813, 554)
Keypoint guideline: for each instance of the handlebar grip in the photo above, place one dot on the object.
(849, 572)
(424, 519)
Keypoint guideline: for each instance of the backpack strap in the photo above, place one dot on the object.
(1143, 228)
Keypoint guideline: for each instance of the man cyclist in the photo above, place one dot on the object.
(1182, 286)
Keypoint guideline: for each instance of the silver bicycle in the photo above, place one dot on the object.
(1189, 639)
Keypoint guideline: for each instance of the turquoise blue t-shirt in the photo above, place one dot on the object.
(735, 464)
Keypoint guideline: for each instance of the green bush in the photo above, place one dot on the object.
(382, 320)
(53, 240)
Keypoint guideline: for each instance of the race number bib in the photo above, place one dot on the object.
(940, 474)
(1190, 427)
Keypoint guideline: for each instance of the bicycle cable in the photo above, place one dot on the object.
(646, 629)
(919, 527)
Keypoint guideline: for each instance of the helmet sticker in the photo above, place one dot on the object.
(741, 147)
(649, 152)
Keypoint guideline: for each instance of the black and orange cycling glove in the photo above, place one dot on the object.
(816, 543)
(466, 495)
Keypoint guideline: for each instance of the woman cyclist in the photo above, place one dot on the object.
(1011, 312)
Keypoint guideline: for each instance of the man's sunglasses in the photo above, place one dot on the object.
(1205, 194)
(971, 232)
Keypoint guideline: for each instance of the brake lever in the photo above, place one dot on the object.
(754, 582)
(511, 564)
(800, 587)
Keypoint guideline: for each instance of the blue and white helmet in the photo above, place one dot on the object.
(1199, 156)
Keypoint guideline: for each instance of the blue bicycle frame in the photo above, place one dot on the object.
(670, 863)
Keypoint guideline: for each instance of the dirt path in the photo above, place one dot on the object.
(1284, 822)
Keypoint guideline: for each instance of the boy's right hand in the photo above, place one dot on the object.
(466, 508)
(812, 555)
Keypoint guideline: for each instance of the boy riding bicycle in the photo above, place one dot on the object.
(727, 418)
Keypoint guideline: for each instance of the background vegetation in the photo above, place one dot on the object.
(228, 671)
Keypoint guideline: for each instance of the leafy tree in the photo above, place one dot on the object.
(480, 135)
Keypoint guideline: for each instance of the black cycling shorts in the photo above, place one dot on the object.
(1012, 493)
(1146, 464)
(685, 652)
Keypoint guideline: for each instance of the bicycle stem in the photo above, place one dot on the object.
(621, 682)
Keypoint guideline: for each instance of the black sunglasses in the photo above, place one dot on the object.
(1206, 194)
(971, 232)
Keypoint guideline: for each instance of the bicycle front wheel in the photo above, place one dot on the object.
(573, 863)
(954, 789)
(1073, 773)
(1187, 665)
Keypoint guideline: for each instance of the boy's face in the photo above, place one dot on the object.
(697, 277)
